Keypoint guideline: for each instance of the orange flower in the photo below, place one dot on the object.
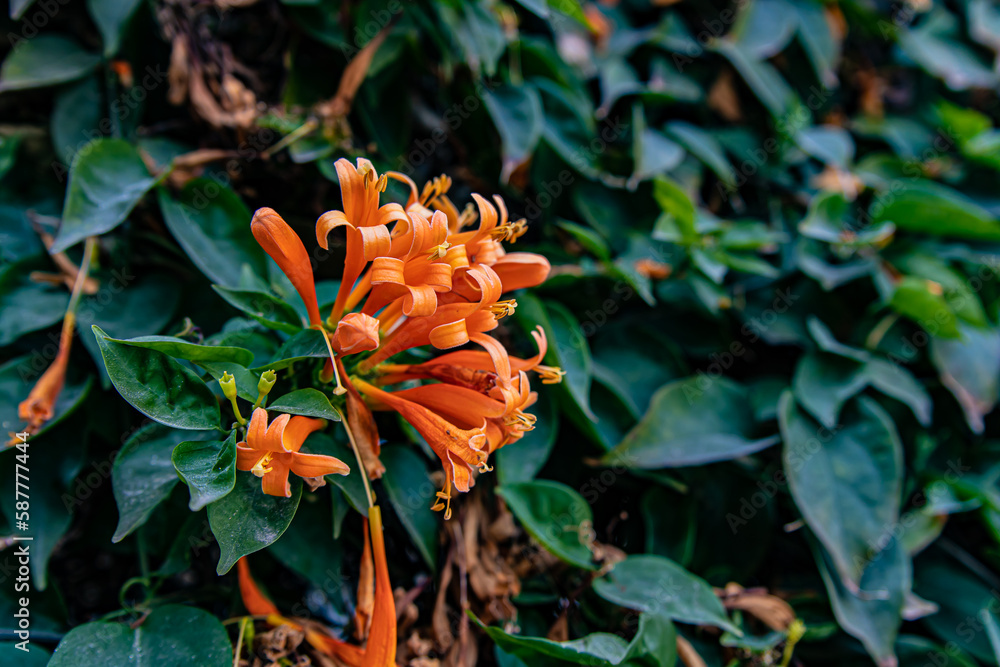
(364, 220)
(460, 450)
(271, 452)
(380, 651)
(39, 406)
(285, 247)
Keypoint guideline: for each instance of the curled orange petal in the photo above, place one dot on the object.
(254, 600)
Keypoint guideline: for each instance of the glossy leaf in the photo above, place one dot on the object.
(171, 636)
(555, 515)
(247, 520)
(158, 386)
(106, 181)
(411, 493)
(306, 402)
(208, 468)
(45, 61)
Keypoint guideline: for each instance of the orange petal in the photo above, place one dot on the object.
(356, 332)
(275, 483)
(366, 589)
(297, 429)
(285, 247)
(381, 648)
(246, 458)
(521, 269)
(253, 599)
(317, 465)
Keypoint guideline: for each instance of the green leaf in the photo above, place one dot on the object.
(158, 386)
(26, 305)
(915, 298)
(691, 422)
(143, 475)
(846, 481)
(703, 146)
(824, 382)
(171, 636)
(306, 344)
(106, 181)
(411, 493)
(247, 520)
(961, 597)
(179, 348)
(874, 616)
(659, 585)
(307, 402)
(517, 115)
(555, 515)
(678, 220)
(351, 484)
(654, 643)
(35, 656)
(112, 18)
(308, 547)
(970, 369)
(45, 60)
(269, 310)
(930, 208)
(76, 117)
(207, 467)
(568, 347)
(212, 224)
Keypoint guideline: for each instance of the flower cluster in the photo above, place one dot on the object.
(419, 275)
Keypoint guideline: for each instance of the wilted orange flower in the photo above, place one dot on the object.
(380, 650)
(39, 406)
(271, 452)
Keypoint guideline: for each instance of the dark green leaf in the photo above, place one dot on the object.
(846, 481)
(212, 224)
(112, 18)
(106, 181)
(45, 60)
(411, 493)
(691, 422)
(158, 386)
(171, 636)
(247, 520)
(555, 515)
(270, 311)
(661, 586)
(143, 475)
(207, 467)
(307, 402)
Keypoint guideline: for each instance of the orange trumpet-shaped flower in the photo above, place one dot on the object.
(380, 651)
(460, 450)
(271, 452)
(285, 247)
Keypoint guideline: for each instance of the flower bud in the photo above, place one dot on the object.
(267, 380)
(228, 384)
(356, 332)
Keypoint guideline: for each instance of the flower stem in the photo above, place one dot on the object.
(361, 465)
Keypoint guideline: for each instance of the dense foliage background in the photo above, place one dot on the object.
(774, 233)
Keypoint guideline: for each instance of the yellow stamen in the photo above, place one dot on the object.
(517, 230)
(550, 374)
(503, 308)
(440, 250)
(260, 468)
(436, 187)
(446, 505)
(468, 216)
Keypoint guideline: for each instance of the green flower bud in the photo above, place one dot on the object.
(228, 384)
(267, 380)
